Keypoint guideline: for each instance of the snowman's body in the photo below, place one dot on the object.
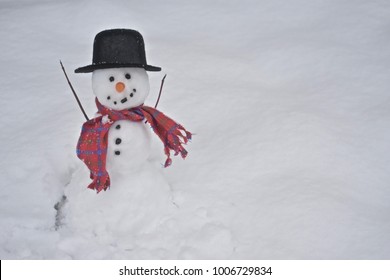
(128, 146)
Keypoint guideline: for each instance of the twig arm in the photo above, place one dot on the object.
(159, 94)
(74, 93)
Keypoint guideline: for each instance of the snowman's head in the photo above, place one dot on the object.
(120, 88)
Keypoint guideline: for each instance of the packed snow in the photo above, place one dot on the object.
(289, 103)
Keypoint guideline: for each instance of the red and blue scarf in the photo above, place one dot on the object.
(92, 144)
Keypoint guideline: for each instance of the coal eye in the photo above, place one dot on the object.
(127, 76)
(112, 79)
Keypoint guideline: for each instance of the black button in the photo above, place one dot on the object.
(118, 126)
(117, 153)
(118, 141)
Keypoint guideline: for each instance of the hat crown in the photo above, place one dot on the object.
(122, 46)
(116, 48)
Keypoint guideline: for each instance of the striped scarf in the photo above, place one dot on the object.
(92, 144)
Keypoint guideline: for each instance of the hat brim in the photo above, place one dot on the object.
(93, 67)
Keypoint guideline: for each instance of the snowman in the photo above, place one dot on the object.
(115, 144)
(117, 139)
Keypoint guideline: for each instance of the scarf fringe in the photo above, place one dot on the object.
(100, 183)
(175, 141)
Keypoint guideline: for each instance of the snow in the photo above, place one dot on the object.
(106, 119)
(289, 103)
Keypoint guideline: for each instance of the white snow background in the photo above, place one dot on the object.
(289, 101)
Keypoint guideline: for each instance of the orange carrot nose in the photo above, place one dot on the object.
(120, 87)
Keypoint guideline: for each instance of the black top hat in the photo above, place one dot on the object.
(118, 48)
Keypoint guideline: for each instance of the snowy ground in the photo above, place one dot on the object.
(289, 101)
